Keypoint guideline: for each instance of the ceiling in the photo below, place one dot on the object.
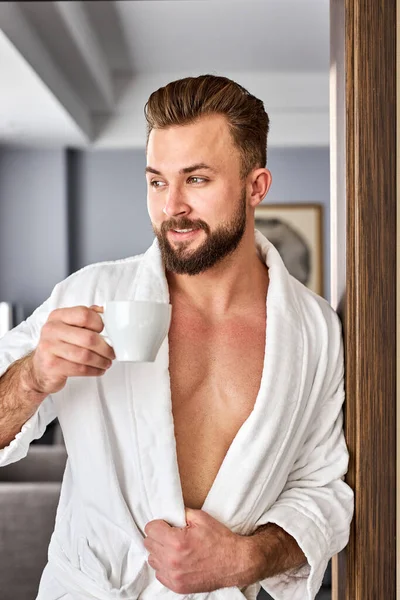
(78, 73)
(264, 35)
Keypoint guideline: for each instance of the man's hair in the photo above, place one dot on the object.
(186, 100)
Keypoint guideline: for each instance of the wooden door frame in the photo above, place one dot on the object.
(363, 176)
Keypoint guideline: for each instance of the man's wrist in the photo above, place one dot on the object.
(250, 562)
(28, 382)
(269, 551)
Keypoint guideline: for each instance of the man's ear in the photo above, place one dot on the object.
(261, 180)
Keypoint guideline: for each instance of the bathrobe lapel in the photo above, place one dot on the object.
(152, 408)
(250, 460)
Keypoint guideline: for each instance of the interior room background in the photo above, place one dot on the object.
(63, 209)
(74, 78)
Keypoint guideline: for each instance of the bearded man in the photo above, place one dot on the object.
(219, 468)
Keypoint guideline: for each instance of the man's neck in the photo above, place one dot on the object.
(237, 282)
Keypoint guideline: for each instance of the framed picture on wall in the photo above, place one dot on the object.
(296, 232)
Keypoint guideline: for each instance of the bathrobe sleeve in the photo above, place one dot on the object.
(316, 505)
(15, 344)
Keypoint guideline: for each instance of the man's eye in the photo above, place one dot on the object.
(195, 179)
(156, 183)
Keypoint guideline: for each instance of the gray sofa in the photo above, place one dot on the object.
(29, 493)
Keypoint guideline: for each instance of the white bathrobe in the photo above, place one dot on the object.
(286, 464)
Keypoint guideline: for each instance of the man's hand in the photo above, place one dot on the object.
(69, 345)
(202, 557)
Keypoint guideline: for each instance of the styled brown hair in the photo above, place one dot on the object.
(186, 100)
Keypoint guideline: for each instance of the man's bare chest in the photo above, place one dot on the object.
(215, 373)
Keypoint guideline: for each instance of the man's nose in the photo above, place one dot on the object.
(175, 205)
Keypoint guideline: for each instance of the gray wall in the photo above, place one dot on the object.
(33, 224)
(302, 175)
(60, 211)
(108, 199)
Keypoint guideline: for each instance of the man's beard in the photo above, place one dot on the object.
(218, 244)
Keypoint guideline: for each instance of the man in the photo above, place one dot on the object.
(221, 465)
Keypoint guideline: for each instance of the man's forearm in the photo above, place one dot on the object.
(18, 401)
(270, 550)
(280, 550)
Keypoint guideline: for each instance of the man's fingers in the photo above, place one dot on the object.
(66, 368)
(153, 562)
(192, 515)
(159, 531)
(152, 545)
(79, 316)
(96, 308)
(82, 356)
(86, 339)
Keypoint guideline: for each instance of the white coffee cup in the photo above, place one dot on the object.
(135, 329)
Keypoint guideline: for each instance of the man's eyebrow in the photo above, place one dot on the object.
(196, 167)
(151, 170)
(185, 170)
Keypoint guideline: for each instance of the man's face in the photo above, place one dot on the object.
(196, 199)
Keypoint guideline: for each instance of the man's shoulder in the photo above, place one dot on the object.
(314, 307)
(322, 331)
(102, 278)
(108, 267)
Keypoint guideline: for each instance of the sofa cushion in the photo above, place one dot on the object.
(27, 515)
(42, 463)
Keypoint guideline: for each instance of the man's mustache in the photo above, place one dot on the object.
(184, 223)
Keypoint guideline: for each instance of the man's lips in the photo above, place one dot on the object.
(183, 234)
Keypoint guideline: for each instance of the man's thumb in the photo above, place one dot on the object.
(191, 515)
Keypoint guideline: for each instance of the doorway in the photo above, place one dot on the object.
(363, 121)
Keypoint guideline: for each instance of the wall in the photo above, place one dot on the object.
(108, 199)
(60, 211)
(302, 176)
(33, 224)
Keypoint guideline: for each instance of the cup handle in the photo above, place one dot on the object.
(106, 339)
(103, 333)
